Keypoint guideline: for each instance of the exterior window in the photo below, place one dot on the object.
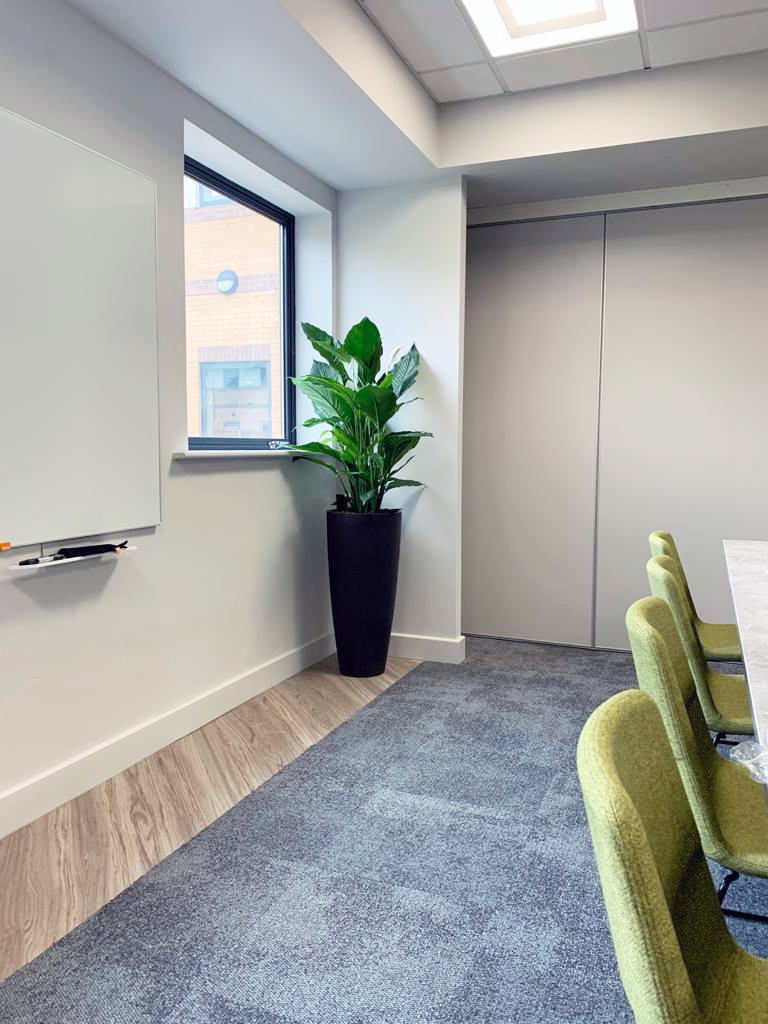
(236, 399)
(207, 196)
(239, 269)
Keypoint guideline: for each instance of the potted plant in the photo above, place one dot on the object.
(355, 399)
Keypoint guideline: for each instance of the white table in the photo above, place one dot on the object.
(747, 562)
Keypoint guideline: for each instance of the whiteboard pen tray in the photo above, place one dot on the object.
(66, 561)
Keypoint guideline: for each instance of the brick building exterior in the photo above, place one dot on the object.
(234, 350)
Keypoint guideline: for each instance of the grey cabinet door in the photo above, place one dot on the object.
(684, 421)
(532, 355)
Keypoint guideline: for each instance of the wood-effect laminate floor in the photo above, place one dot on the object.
(60, 869)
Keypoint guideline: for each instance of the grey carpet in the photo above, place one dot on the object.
(427, 862)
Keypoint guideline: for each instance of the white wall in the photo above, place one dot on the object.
(349, 36)
(401, 263)
(103, 663)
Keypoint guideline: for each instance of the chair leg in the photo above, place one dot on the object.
(721, 739)
(742, 915)
(725, 885)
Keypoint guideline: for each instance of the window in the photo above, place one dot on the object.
(236, 399)
(239, 269)
(206, 196)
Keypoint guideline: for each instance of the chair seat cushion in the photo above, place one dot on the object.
(741, 811)
(731, 700)
(741, 995)
(719, 641)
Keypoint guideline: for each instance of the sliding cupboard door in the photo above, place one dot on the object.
(684, 415)
(532, 352)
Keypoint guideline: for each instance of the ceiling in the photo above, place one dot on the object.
(272, 78)
(319, 81)
(439, 43)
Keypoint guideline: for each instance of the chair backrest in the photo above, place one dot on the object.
(667, 927)
(661, 542)
(664, 674)
(664, 583)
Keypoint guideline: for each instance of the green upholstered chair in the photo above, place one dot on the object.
(719, 642)
(724, 698)
(677, 960)
(729, 807)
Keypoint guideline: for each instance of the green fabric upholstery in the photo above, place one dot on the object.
(724, 698)
(662, 543)
(677, 960)
(729, 807)
(719, 641)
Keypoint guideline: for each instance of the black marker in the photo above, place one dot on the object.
(40, 561)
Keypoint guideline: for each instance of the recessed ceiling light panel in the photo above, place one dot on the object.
(519, 26)
(527, 18)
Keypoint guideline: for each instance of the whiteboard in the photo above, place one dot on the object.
(79, 436)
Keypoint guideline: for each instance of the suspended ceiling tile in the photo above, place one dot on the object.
(430, 34)
(706, 39)
(468, 83)
(664, 13)
(572, 64)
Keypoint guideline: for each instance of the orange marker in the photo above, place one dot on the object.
(5, 545)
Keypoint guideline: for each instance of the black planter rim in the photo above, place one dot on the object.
(379, 512)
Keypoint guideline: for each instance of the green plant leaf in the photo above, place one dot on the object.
(378, 404)
(405, 371)
(318, 448)
(319, 462)
(335, 357)
(363, 343)
(330, 349)
(346, 443)
(330, 399)
(395, 356)
(401, 467)
(315, 334)
(323, 370)
(354, 399)
(396, 482)
(399, 442)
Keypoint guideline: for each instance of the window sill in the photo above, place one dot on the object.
(245, 453)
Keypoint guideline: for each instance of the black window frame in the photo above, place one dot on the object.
(205, 176)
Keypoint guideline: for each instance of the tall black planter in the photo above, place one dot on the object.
(363, 556)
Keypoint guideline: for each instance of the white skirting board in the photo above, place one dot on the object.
(34, 797)
(40, 794)
(448, 649)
